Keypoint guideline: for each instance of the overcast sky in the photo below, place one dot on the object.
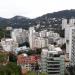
(33, 8)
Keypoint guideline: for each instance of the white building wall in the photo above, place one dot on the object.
(72, 21)
(67, 27)
(31, 37)
(72, 46)
(64, 23)
(43, 59)
(19, 35)
(9, 44)
(37, 43)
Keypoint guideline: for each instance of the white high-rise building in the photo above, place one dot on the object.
(53, 37)
(8, 44)
(19, 35)
(43, 33)
(31, 37)
(41, 39)
(64, 23)
(72, 45)
(55, 63)
(52, 61)
(37, 42)
(72, 22)
(43, 59)
(44, 42)
(66, 26)
(70, 40)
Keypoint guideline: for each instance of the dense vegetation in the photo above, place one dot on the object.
(6, 67)
(10, 69)
(4, 33)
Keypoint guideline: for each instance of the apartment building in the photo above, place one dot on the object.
(8, 44)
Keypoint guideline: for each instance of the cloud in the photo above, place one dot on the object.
(33, 8)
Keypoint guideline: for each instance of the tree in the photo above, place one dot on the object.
(38, 51)
(10, 69)
(15, 70)
(12, 57)
(3, 57)
(31, 52)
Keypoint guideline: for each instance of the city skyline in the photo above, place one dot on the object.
(33, 8)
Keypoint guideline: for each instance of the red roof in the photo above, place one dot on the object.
(27, 59)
